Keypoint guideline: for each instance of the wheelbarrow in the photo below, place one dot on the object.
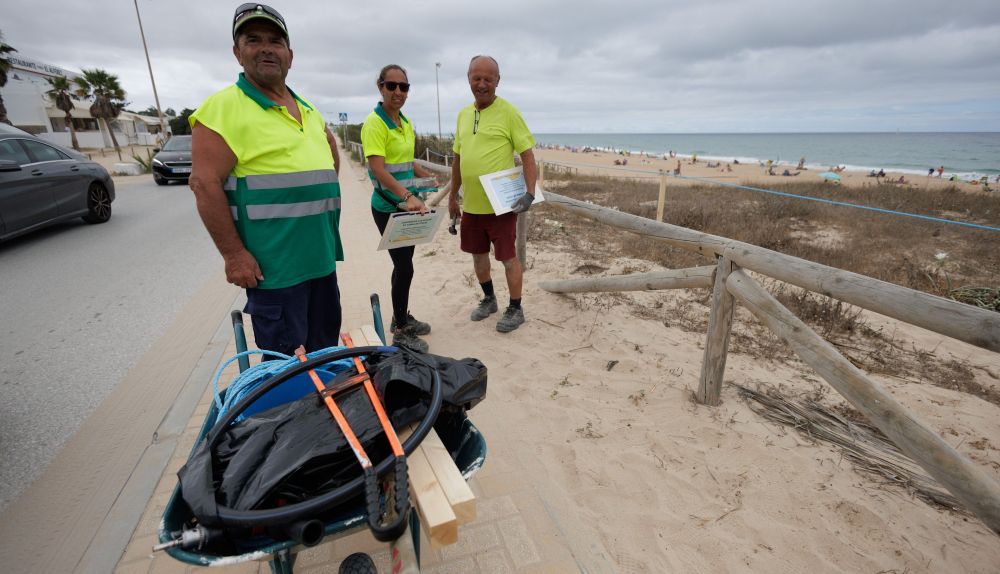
(463, 441)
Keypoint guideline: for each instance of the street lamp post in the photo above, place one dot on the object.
(163, 127)
(437, 88)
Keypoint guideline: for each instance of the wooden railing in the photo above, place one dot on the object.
(968, 481)
(730, 283)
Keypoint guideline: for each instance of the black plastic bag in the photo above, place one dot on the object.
(296, 451)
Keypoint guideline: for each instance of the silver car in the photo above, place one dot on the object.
(42, 183)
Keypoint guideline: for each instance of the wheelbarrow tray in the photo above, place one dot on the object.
(464, 441)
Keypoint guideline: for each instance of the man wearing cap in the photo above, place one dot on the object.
(488, 134)
(265, 183)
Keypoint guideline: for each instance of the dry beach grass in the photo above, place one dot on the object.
(598, 388)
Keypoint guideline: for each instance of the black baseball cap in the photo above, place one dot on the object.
(251, 11)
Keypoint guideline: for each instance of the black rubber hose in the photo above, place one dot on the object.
(312, 507)
(305, 532)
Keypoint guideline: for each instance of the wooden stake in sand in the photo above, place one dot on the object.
(963, 478)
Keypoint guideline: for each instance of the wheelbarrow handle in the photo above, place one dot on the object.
(241, 338)
(395, 529)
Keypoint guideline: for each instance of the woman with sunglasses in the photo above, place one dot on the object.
(388, 141)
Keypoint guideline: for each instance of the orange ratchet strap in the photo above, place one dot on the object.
(390, 433)
(338, 416)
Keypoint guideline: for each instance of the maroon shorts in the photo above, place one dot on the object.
(479, 230)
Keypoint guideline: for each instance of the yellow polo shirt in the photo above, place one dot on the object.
(486, 141)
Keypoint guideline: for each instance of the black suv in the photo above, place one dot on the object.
(173, 162)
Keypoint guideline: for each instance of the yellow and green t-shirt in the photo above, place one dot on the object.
(382, 137)
(283, 191)
(486, 141)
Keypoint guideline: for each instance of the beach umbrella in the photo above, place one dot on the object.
(830, 175)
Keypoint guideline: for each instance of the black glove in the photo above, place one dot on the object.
(523, 203)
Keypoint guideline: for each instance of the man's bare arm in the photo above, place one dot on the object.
(211, 163)
(333, 149)
(456, 182)
(530, 169)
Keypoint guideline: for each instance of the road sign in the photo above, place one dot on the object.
(343, 117)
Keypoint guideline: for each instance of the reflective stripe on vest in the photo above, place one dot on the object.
(301, 209)
(401, 172)
(284, 180)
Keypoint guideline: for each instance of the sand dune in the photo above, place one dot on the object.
(666, 485)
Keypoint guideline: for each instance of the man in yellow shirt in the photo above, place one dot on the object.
(488, 134)
(265, 184)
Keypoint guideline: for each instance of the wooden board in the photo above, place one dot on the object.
(433, 503)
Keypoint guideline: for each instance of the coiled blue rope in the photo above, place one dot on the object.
(250, 378)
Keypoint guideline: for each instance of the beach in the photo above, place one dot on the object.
(697, 171)
(597, 388)
(591, 424)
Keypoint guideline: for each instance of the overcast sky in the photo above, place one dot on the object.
(658, 66)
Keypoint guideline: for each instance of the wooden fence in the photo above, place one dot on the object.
(968, 481)
(730, 284)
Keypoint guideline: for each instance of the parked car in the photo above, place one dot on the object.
(42, 183)
(173, 162)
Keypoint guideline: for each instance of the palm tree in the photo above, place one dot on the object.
(62, 95)
(4, 67)
(107, 93)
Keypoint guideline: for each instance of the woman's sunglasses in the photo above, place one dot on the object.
(391, 86)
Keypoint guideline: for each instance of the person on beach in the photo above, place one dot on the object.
(265, 184)
(388, 140)
(941, 171)
(487, 135)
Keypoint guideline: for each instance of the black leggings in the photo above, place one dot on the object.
(402, 271)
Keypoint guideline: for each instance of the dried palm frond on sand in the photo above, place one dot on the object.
(864, 445)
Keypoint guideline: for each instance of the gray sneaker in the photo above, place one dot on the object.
(512, 319)
(412, 326)
(486, 307)
(402, 338)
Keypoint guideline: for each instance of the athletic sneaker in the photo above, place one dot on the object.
(486, 307)
(512, 319)
(412, 326)
(402, 338)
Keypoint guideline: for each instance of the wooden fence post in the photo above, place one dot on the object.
(521, 243)
(969, 481)
(720, 321)
(663, 196)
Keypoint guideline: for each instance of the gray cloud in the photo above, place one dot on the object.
(650, 66)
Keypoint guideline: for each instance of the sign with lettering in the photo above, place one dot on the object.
(38, 67)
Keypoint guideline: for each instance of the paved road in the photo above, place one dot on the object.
(79, 304)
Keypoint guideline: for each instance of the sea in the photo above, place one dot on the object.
(965, 154)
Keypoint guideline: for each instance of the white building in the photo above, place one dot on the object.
(29, 108)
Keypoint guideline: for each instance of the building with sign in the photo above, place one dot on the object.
(29, 108)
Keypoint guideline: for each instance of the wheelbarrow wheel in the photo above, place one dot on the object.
(358, 563)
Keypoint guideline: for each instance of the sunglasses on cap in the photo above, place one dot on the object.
(391, 86)
(249, 11)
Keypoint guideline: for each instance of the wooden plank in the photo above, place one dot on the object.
(720, 321)
(439, 520)
(662, 199)
(690, 278)
(456, 490)
(975, 326)
(371, 336)
(436, 515)
(968, 481)
(358, 337)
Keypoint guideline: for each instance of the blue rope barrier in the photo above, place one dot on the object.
(794, 196)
